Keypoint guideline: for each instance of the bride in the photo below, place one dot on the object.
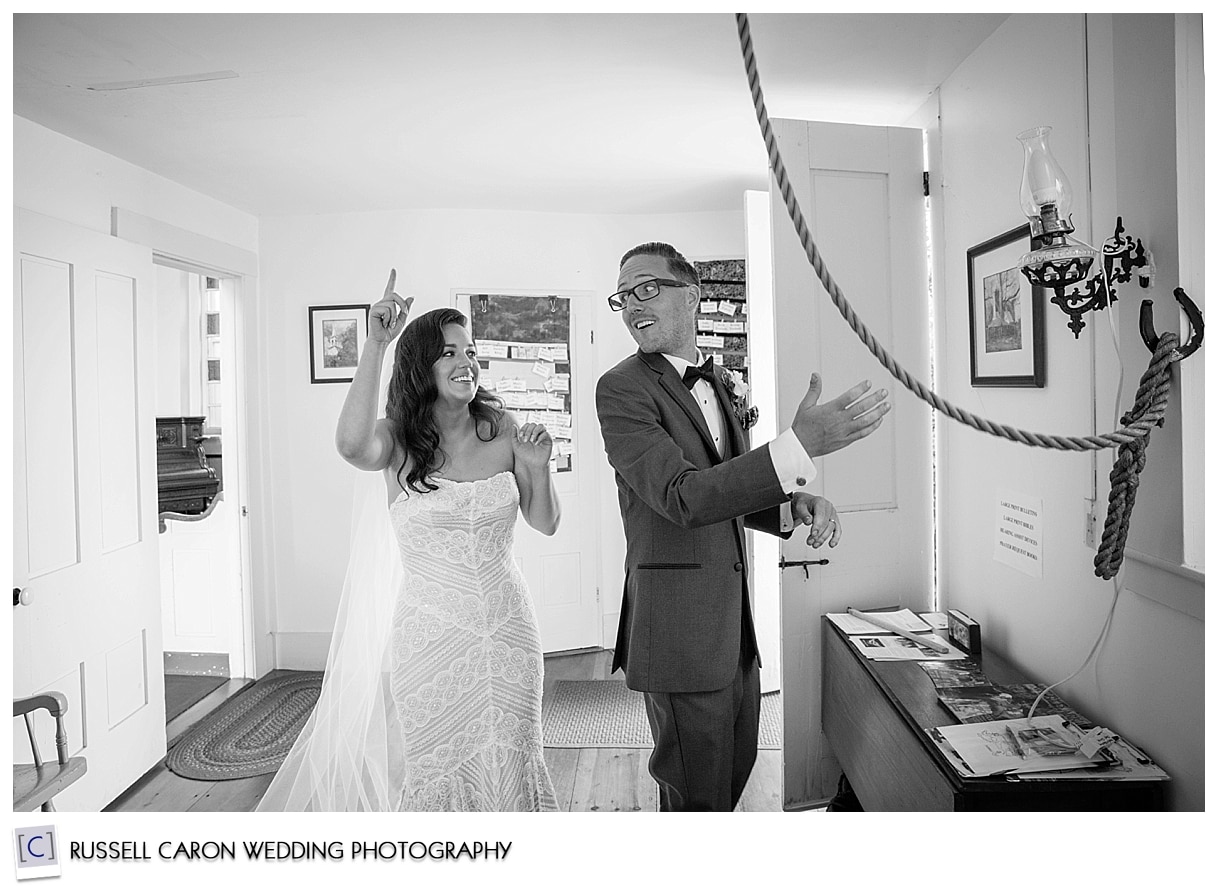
(432, 694)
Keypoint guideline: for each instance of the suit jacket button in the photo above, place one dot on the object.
(738, 567)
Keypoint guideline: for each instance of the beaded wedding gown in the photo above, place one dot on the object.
(465, 664)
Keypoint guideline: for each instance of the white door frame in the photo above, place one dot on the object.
(179, 248)
(591, 509)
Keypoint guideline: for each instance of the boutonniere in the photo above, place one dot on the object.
(738, 391)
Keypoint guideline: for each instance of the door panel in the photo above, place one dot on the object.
(85, 503)
(560, 570)
(119, 444)
(45, 434)
(860, 189)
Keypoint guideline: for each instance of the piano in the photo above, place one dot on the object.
(186, 483)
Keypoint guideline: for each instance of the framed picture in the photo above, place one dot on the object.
(336, 339)
(1006, 315)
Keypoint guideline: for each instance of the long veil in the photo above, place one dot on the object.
(349, 754)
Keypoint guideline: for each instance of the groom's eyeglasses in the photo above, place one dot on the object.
(644, 291)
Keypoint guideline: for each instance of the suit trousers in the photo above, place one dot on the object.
(705, 742)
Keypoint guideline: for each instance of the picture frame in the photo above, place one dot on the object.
(336, 339)
(1006, 315)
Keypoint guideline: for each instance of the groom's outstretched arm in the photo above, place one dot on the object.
(644, 453)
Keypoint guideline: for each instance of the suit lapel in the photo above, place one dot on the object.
(672, 384)
(731, 426)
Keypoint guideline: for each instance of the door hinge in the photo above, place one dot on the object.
(925, 183)
(592, 337)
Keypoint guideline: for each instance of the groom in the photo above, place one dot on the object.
(688, 484)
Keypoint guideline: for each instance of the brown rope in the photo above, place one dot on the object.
(1131, 458)
(1135, 430)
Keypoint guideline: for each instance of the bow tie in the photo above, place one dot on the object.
(693, 373)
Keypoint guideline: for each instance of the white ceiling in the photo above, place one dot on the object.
(624, 113)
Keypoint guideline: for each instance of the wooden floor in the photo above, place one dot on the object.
(585, 779)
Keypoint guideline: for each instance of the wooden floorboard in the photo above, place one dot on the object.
(763, 793)
(585, 779)
(561, 763)
(233, 795)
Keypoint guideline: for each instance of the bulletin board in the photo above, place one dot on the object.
(524, 354)
(722, 322)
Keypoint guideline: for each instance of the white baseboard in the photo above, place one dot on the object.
(301, 651)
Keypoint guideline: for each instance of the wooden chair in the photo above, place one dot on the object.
(34, 784)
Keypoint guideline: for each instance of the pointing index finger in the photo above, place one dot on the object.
(393, 276)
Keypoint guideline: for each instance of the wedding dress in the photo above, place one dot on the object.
(431, 697)
(465, 658)
(432, 691)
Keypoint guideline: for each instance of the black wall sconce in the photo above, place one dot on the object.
(1045, 197)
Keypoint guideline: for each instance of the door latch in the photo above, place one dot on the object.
(783, 563)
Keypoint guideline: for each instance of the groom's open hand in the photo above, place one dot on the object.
(827, 427)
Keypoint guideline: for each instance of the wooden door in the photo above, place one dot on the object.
(860, 188)
(84, 508)
(560, 570)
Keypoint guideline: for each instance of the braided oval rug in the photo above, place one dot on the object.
(251, 733)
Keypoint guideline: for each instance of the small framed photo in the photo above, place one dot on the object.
(336, 339)
(1006, 315)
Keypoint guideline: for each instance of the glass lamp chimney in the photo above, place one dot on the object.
(1044, 193)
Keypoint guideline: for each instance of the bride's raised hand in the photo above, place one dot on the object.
(387, 318)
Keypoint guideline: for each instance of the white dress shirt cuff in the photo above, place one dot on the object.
(794, 468)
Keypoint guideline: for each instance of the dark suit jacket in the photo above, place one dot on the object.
(684, 510)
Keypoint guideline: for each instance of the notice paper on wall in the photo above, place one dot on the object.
(1018, 533)
(493, 349)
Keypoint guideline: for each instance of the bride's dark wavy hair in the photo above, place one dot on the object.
(412, 394)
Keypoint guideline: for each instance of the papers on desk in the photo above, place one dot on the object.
(1019, 746)
(901, 618)
(1131, 765)
(935, 619)
(995, 701)
(889, 648)
(947, 676)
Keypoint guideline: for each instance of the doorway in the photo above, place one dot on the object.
(535, 352)
(204, 615)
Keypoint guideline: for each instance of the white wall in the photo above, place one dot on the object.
(341, 259)
(1148, 681)
(172, 342)
(58, 176)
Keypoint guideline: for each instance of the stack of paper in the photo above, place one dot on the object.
(889, 648)
(1018, 746)
(1131, 765)
(904, 619)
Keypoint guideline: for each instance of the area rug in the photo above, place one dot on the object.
(605, 714)
(183, 691)
(251, 733)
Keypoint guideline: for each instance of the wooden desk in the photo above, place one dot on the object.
(874, 714)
